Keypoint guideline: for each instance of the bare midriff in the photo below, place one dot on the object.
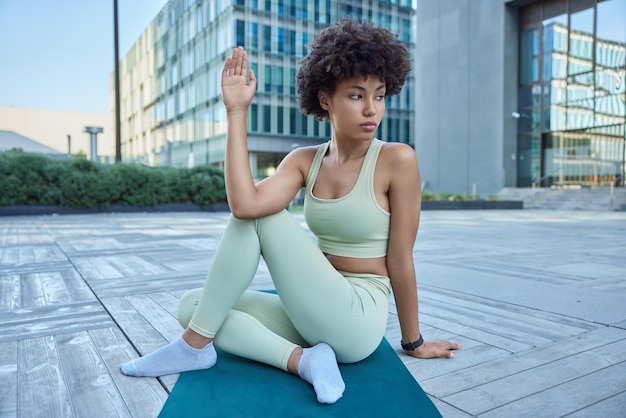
(377, 266)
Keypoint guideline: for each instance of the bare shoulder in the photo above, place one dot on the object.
(301, 159)
(396, 154)
(304, 152)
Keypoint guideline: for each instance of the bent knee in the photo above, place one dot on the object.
(187, 306)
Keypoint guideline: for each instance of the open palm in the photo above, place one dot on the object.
(237, 91)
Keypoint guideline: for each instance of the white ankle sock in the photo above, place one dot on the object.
(318, 366)
(176, 357)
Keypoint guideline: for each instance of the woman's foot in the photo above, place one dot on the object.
(318, 366)
(176, 357)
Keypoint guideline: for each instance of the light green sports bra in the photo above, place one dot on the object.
(353, 225)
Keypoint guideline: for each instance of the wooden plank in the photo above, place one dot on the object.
(611, 407)
(531, 381)
(96, 268)
(91, 388)
(160, 319)
(571, 396)
(540, 319)
(8, 379)
(144, 397)
(485, 334)
(131, 264)
(447, 410)
(8, 257)
(144, 334)
(42, 391)
(30, 254)
(136, 328)
(167, 301)
(493, 371)
(10, 292)
(32, 292)
(466, 358)
(491, 321)
(77, 289)
(27, 323)
(147, 284)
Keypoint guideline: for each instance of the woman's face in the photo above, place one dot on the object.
(356, 107)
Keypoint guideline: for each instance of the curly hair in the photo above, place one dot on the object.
(346, 50)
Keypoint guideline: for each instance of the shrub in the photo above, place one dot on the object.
(31, 179)
(429, 196)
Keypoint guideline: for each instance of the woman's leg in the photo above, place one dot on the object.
(257, 328)
(348, 313)
(234, 265)
(322, 304)
(233, 268)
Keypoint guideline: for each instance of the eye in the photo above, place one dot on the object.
(380, 98)
(355, 96)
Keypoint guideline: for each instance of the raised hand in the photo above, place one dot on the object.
(237, 91)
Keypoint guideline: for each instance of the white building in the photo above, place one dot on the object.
(51, 128)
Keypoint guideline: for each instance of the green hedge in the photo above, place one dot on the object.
(32, 179)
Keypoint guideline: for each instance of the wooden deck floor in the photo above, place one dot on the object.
(537, 299)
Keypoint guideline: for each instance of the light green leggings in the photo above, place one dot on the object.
(315, 302)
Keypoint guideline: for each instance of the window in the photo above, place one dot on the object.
(293, 114)
(529, 56)
(611, 36)
(267, 78)
(280, 120)
(267, 38)
(254, 117)
(267, 119)
(240, 30)
(580, 42)
(290, 42)
(253, 39)
(281, 40)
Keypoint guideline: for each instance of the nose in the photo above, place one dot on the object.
(369, 107)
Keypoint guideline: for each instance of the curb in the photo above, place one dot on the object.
(22, 210)
(471, 204)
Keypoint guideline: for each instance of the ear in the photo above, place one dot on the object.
(323, 98)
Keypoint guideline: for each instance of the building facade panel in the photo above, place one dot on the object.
(533, 92)
(175, 70)
(460, 81)
(571, 100)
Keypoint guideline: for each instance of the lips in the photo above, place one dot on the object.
(370, 126)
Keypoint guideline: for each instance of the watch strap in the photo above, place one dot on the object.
(412, 346)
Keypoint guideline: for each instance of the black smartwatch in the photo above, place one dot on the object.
(412, 346)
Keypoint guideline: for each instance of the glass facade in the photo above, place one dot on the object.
(572, 93)
(171, 106)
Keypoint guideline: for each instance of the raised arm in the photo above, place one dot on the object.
(404, 204)
(245, 198)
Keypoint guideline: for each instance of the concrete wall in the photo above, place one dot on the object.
(464, 65)
(50, 128)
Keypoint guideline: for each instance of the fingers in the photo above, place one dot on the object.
(243, 68)
(436, 349)
(227, 65)
(236, 64)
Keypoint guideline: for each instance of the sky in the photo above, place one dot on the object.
(58, 54)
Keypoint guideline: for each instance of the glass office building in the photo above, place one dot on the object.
(171, 109)
(520, 93)
(572, 93)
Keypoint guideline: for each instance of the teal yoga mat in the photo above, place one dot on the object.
(379, 386)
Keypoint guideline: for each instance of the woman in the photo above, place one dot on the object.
(363, 204)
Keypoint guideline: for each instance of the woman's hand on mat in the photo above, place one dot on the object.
(434, 349)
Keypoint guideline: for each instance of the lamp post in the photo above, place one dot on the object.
(118, 142)
(93, 131)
